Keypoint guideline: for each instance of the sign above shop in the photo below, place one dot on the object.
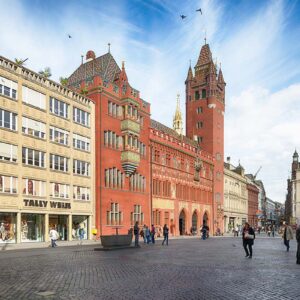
(44, 203)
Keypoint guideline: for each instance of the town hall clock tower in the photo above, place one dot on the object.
(205, 106)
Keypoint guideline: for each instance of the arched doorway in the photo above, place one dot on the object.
(182, 223)
(205, 219)
(194, 223)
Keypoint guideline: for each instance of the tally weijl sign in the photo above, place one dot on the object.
(44, 204)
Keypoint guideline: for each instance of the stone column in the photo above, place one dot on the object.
(46, 227)
(18, 225)
(70, 220)
(89, 219)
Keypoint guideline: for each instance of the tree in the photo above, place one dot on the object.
(63, 80)
(46, 72)
(20, 62)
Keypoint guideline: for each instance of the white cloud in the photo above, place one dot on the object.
(255, 60)
(263, 132)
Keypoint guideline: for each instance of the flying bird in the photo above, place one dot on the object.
(69, 36)
(182, 17)
(199, 10)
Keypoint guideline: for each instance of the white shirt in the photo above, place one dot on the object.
(53, 234)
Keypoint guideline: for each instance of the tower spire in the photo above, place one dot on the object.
(177, 119)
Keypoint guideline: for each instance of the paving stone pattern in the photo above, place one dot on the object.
(186, 269)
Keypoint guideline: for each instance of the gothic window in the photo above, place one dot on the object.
(199, 125)
(137, 215)
(114, 216)
(156, 217)
(197, 96)
(203, 93)
(199, 139)
(114, 178)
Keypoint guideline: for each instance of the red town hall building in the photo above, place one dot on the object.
(146, 171)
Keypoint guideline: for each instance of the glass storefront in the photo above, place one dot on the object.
(79, 227)
(8, 227)
(60, 223)
(32, 228)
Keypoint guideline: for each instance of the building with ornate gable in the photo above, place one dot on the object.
(146, 171)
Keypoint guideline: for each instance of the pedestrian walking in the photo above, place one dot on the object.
(236, 231)
(153, 234)
(273, 231)
(136, 233)
(204, 232)
(145, 233)
(298, 244)
(248, 239)
(81, 234)
(166, 235)
(54, 237)
(287, 235)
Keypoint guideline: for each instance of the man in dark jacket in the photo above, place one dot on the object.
(298, 244)
(248, 239)
(136, 232)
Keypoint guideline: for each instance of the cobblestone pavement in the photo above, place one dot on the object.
(186, 269)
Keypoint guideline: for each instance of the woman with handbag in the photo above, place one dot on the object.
(248, 239)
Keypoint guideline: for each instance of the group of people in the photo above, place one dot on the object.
(148, 234)
(249, 237)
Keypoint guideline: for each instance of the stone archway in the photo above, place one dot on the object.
(194, 222)
(205, 219)
(182, 222)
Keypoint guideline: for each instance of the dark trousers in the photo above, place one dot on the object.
(136, 241)
(166, 239)
(53, 243)
(298, 253)
(287, 244)
(152, 239)
(246, 247)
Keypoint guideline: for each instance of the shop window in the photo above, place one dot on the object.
(79, 227)
(60, 223)
(32, 227)
(8, 227)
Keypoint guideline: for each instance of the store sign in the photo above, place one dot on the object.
(44, 203)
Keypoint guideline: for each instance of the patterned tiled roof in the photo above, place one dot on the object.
(105, 66)
(167, 130)
(205, 55)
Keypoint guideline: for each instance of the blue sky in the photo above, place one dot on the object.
(257, 43)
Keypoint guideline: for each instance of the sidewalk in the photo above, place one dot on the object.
(34, 245)
(37, 245)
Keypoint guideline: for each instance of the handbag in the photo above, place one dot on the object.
(248, 236)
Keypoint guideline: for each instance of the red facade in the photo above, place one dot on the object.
(252, 204)
(205, 107)
(146, 171)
